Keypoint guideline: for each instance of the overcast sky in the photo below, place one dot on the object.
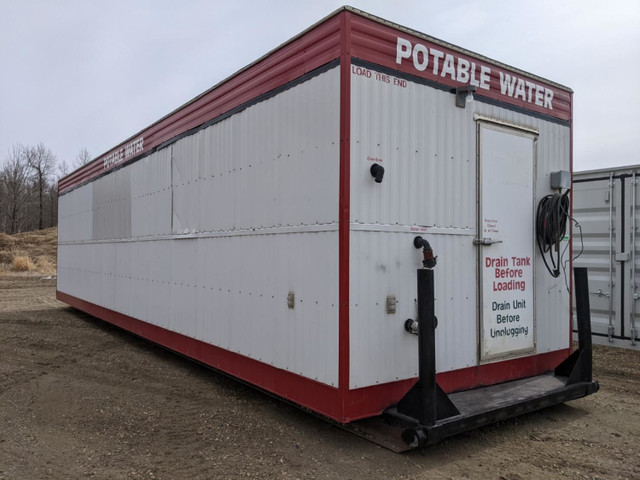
(90, 74)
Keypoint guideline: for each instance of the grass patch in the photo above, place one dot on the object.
(22, 263)
(6, 256)
(29, 251)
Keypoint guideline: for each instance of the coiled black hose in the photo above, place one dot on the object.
(551, 224)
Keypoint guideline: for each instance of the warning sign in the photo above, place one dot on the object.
(508, 306)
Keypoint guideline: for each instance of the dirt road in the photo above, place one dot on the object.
(81, 399)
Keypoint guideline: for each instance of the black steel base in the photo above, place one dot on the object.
(477, 407)
(427, 414)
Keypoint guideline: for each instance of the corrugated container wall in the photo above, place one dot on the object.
(607, 207)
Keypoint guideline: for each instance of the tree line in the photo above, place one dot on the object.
(29, 187)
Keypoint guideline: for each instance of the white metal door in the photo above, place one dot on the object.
(597, 209)
(630, 327)
(506, 241)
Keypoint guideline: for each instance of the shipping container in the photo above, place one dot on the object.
(304, 224)
(607, 207)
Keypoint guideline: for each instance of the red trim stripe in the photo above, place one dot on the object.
(344, 203)
(492, 373)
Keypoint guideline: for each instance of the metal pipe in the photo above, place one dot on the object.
(610, 329)
(429, 259)
(427, 347)
(633, 261)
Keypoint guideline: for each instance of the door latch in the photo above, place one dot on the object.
(485, 241)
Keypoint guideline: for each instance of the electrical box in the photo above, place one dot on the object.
(561, 180)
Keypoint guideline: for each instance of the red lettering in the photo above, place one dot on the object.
(508, 273)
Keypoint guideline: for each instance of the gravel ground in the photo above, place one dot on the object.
(82, 399)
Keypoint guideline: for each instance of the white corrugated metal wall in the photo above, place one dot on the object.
(209, 235)
(428, 149)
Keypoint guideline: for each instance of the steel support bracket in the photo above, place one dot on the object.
(578, 366)
(426, 401)
(426, 414)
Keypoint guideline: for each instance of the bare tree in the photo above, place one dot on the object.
(63, 169)
(82, 158)
(41, 162)
(52, 198)
(14, 178)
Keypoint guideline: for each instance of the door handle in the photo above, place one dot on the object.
(485, 241)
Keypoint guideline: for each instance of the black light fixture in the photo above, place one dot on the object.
(464, 95)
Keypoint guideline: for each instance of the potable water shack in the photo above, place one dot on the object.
(350, 223)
